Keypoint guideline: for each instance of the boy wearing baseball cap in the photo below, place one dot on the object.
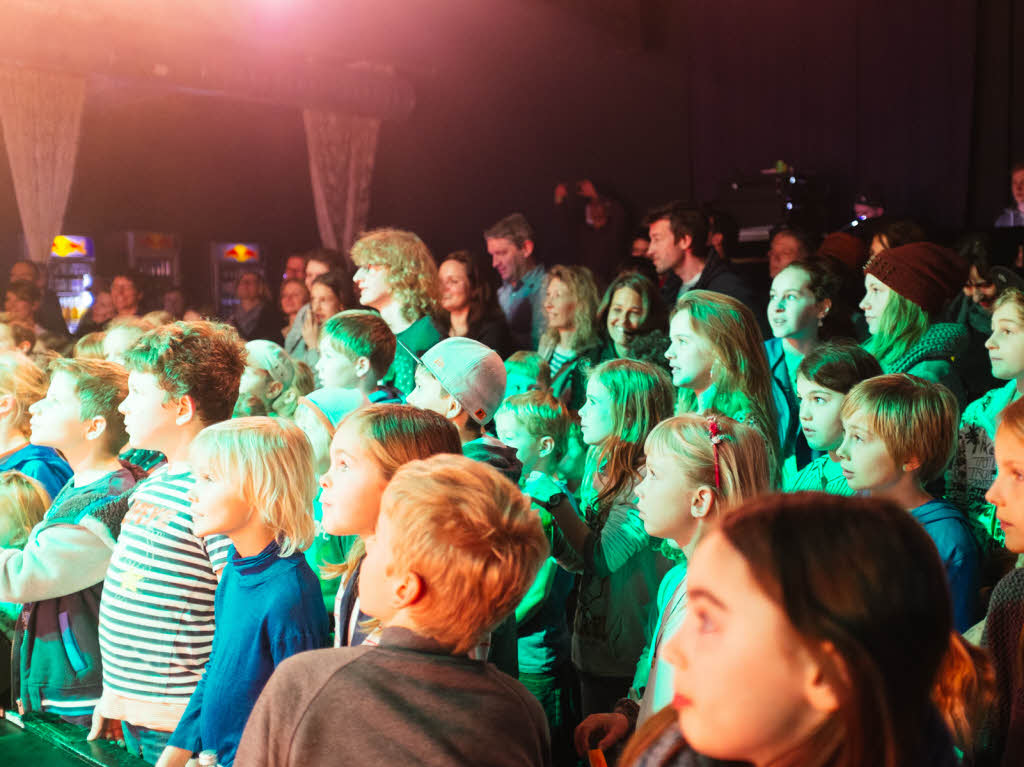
(464, 381)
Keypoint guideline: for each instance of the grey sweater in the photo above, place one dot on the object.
(408, 701)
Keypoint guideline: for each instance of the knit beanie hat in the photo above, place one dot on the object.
(847, 249)
(922, 272)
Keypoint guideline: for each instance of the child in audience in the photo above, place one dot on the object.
(318, 415)
(574, 462)
(798, 303)
(906, 288)
(23, 503)
(535, 425)
(697, 469)
(89, 346)
(255, 486)
(398, 277)
(900, 433)
(719, 365)
(267, 382)
(620, 562)
(22, 384)
(525, 371)
(156, 617)
(16, 336)
(781, 610)
(1003, 741)
(974, 466)
(121, 335)
(368, 447)
(455, 548)
(59, 576)
(464, 381)
(823, 379)
(356, 349)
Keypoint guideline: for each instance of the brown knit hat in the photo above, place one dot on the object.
(847, 249)
(922, 272)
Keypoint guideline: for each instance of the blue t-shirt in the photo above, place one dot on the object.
(43, 464)
(267, 608)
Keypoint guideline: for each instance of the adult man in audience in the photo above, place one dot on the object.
(295, 267)
(510, 243)
(1014, 215)
(126, 293)
(679, 252)
(49, 315)
(787, 246)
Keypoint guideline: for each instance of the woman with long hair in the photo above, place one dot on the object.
(633, 321)
(469, 300)
(570, 345)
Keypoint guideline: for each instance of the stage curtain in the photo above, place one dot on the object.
(41, 115)
(341, 158)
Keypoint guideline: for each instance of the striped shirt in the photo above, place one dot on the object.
(156, 615)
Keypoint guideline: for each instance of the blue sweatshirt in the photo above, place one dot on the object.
(948, 528)
(267, 608)
(43, 464)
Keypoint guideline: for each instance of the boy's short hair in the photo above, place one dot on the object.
(531, 365)
(839, 366)
(89, 346)
(361, 333)
(472, 537)
(305, 380)
(23, 378)
(100, 387)
(270, 461)
(542, 415)
(201, 359)
(915, 418)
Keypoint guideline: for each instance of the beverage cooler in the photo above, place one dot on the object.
(71, 270)
(230, 260)
(155, 255)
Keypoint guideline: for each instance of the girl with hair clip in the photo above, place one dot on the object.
(633, 320)
(369, 446)
(798, 304)
(818, 633)
(620, 563)
(1003, 637)
(906, 289)
(697, 469)
(570, 343)
(719, 365)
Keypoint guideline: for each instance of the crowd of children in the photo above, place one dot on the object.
(673, 545)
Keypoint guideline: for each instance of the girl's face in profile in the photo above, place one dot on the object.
(747, 688)
(596, 421)
(352, 486)
(666, 497)
(1007, 492)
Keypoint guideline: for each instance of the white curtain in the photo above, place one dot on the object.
(341, 157)
(41, 115)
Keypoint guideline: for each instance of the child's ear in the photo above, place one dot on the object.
(7, 404)
(702, 502)
(826, 676)
(274, 389)
(911, 464)
(362, 366)
(95, 427)
(409, 590)
(547, 446)
(454, 408)
(186, 408)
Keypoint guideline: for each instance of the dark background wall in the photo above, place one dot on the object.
(920, 98)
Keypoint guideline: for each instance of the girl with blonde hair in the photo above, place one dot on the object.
(620, 562)
(255, 485)
(718, 363)
(571, 343)
(697, 469)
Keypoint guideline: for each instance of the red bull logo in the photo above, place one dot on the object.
(65, 246)
(157, 241)
(241, 253)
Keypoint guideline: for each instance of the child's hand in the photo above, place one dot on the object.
(310, 330)
(541, 487)
(172, 756)
(109, 729)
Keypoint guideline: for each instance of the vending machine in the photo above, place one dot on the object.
(230, 261)
(71, 270)
(154, 254)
